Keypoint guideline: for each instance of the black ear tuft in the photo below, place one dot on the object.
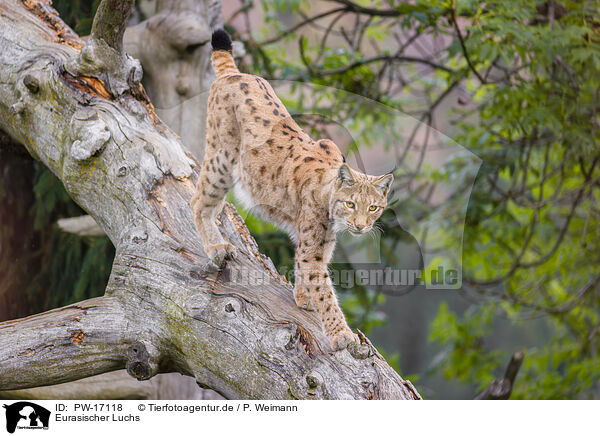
(221, 40)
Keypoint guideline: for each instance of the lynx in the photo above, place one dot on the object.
(254, 147)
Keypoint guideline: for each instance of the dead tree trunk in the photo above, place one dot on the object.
(82, 111)
(173, 47)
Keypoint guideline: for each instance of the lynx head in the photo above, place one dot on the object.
(358, 200)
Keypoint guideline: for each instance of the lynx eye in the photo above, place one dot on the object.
(373, 208)
(350, 204)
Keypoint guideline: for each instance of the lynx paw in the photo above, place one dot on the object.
(303, 300)
(219, 253)
(343, 339)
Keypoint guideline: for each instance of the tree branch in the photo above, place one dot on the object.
(83, 339)
(118, 385)
(321, 72)
(103, 57)
(398, 11)
(464, 47)
(302, 24)
(173, 47)
(110, 22)
(502, 388)
(82, 226)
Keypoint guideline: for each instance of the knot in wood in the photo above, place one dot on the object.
(359, 351)
(312, 380)
(182, 87)
(232, 307)
(135, 75)
(32, 83)
(138, 363)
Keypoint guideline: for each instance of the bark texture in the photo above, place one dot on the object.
(82, 111)
(118, 385)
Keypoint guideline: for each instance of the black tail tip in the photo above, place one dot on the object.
(221, 40)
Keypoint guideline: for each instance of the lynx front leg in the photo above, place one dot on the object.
(208, 202)
(315, 246)
(300, 294)
(315, 279)
(302, 299)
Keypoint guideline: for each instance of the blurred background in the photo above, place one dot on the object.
(487, 113)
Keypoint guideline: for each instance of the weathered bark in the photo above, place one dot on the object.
(118, 385)
(85, 115)
(173, 48)
(175, 55)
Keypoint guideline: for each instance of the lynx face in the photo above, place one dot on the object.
(359, 200)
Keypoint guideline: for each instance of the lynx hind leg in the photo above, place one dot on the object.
(214, 181)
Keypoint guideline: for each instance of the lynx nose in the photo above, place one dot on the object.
(359, 227)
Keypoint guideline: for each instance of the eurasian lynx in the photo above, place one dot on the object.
(304, 186)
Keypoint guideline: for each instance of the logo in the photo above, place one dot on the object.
(26, 415)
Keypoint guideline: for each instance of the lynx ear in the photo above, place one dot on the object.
(345, 175)
(384, 183)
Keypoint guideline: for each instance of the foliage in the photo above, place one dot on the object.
(531, 241)
(72, 268)
(465, 356)
(521, 79)
(78, 14)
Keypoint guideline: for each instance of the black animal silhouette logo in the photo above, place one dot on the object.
(26, 415)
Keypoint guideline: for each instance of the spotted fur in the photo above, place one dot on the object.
(254, 147)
